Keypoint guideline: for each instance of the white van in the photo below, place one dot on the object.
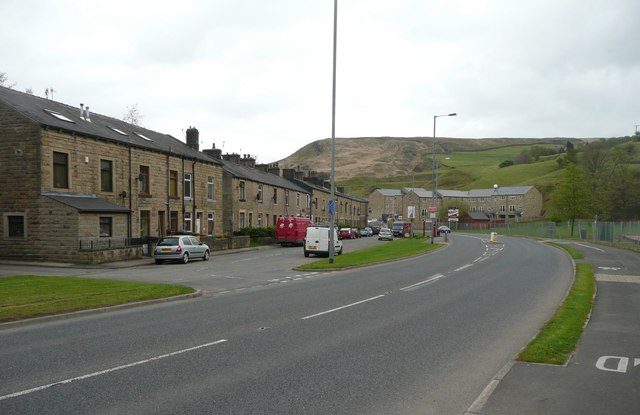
(316, 241)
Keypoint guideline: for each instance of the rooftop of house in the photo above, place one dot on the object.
(81, 120)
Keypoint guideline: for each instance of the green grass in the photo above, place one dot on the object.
(575, 254)
(464, 170)
(396, 249)
(558, 339)
(26, 296)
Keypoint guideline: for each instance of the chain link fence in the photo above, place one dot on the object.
(595, 231)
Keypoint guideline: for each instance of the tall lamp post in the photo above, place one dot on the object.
(333, 138)
(495, 205)
(434, 177)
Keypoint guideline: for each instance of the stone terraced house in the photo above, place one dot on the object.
(78, 186)
(502, 204)
(81, 187)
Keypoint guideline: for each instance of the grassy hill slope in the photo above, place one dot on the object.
(384, 157)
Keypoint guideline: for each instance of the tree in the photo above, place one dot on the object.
(133, 116)
(572, 197)
(598, 164)
(623, 195)
(571, 152)
(4, 80)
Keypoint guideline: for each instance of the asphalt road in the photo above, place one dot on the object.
(423, 335)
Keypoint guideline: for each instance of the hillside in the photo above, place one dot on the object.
(364, 164)
(384, 157)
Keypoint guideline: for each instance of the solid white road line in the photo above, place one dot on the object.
(422, 283)
(462, 267)
(591, 247)
(344, 306)
(113, 369)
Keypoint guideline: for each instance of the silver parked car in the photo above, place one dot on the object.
(385, 233)
(180, 248)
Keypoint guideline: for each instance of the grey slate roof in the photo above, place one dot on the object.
(419, 191)
(478, 216)
(260, 176)
(309, 187)
(501, 191)
(35, 108)
(87, 203)
(453, 193)
(389, 192)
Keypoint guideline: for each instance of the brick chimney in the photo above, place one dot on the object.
(248, 161)
(288, 173)
(232, 157)
(193, 138)
(213, 152)
(274, 169)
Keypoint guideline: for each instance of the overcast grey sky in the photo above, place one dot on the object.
(254, 76)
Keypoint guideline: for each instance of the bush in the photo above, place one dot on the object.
(261, 232)
(506, 163)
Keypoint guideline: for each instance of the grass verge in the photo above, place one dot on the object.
(575, 254)
(27, 296)
(396, 249)
(559, 337)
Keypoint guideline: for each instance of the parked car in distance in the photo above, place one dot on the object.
(317, 241)
(347, 233)
(180, 248)
(398, 229)
(443, 229)
(366, 232)
(385, 234)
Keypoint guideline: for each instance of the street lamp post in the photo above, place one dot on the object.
(434, 176)
(495, 205)
(333, 138)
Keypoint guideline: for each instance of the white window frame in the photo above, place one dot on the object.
(186, 186)
(211, 187)
(188, 222)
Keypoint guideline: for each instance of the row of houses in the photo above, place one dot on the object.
(416, 205)
(78, 186)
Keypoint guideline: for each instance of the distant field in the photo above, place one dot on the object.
(468, 170)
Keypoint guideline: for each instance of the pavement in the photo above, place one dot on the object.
(603, 375)
(130, 263)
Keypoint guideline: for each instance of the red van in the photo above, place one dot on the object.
(291, 230)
